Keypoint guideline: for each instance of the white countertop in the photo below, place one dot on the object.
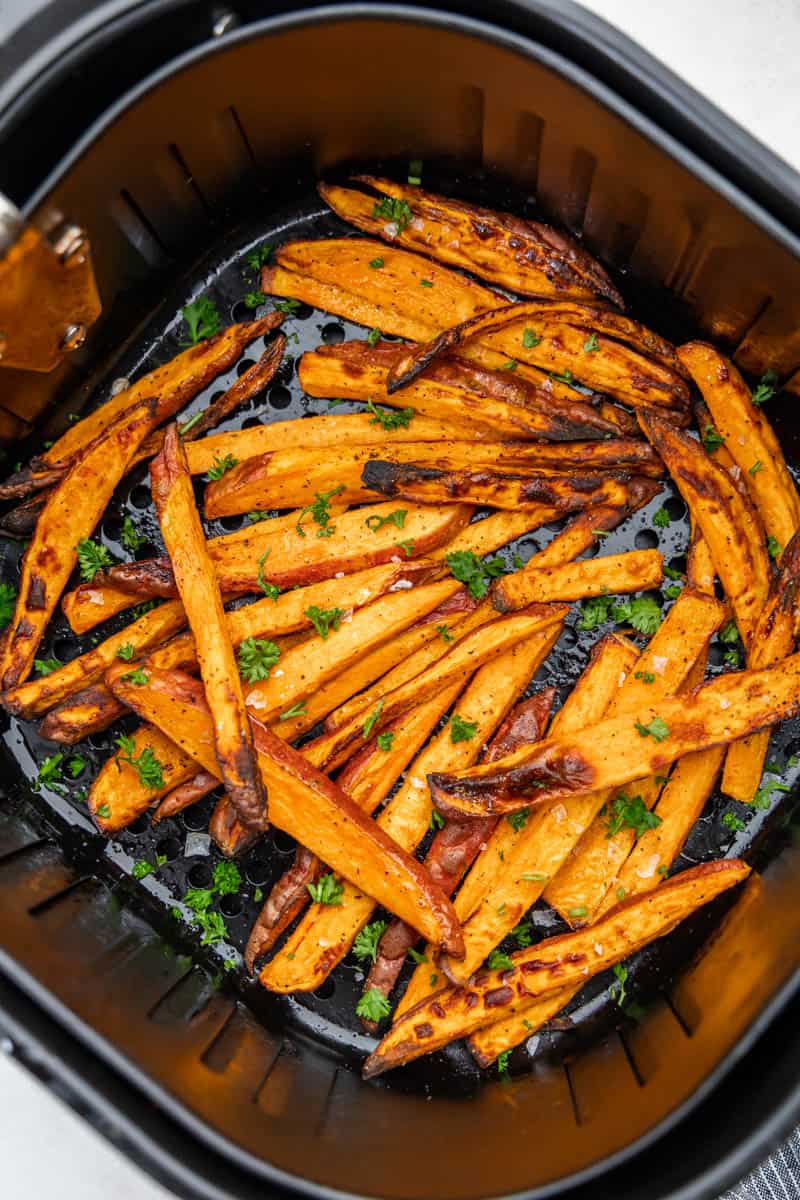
(742, 56)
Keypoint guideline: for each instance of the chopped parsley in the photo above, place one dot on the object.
(415, 956)
(222, 465)
(373, 1006)
(327, 890)
(530, 339)
(146, 765)
(766, 388)
(8, 599)
(426, 283)
(468, 569)
(510, 365)
(591, 344)
(126, 652)
(673, 591)
(729, 632)
(396, 211)
(617, 990)
(415, 172)
(257, 514)
(563, 377)
(522, 934)
(324, 619)
(580, 911)
(657, 729)
(733, 823)
(711, 439)
(627, 813)
(396, 518)
(76, 765)
(407, 545)
(184, 429)
(296, 710)
(259, 256)
(642, 613)
(104, 811)
(365, 947)
(384, 740)
(444, 633)
(270, 590)
(461, 730)
(227, 879)
(774, 547)
(131, 540)
(142, 869)
(498, 961)
(517, 819)
(92, 558)
(373, 337)
(645, 676)
(287, 306)
(437, 820)
(661, 518)
(46, 666)
(257, 657)
(390, 418)
(376, 263)
(594, 611)
(373, 718)
(320, 513)
(502, 1065)
(202, 320)
(731, 657)
(756, 467)
(138, 677)
(50, 772)
(254, 299)
(534, 877)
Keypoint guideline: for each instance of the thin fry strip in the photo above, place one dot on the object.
(325, 935)
(306, 805)
(200, 595)
(185, 795)
(549, 965)
(115, 797)
(70, 515)
(634, 571)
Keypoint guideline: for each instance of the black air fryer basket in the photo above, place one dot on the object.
(177, 136)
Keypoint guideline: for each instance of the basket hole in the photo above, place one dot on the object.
(646, 539)
(231, 524)
(112, 528)
(676, 508)
(326, 989)
(63, 649)
(251, 423)
(230, 906)
(280, 397)
(195, 819)
(245, 365)
(716, 655)
(284, 844)
(240, 311)
(140, 497)
(257, 872)
(200, 875)
(140, 825)
(332, 333)
(593, 550)
(568, 638)
(168, 848)
(303, 312)
(678, 563)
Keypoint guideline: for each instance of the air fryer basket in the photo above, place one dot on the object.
(220, 150)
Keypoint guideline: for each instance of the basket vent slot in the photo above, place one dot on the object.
(190, 180)
(43, 906)
(576, 1112)
(139, 230)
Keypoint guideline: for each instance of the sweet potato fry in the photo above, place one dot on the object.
(455, 846)
(718, 712)
(275, 551)
(465, 655)
(524, 256)
(30, 699)
(121, 793)
(496, 404)
(547, 966)
(306, 805)
(200, 595)
(20, 522)
(185, 795)
(731, 528)
(774, 638)
(82, 714)
(633, 571)
(325, 934)
(319, 660)
(749, 439)
(70, 515)
(494, 489)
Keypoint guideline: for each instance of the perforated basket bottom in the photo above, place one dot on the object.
(328, 1015)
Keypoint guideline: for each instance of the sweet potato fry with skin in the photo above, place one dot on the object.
(279, 555)
(319, 660)
(498, 404)
(634, 571)
(30, 699)
(774, 638)
(749, 438)
(30, 480)
(200, 595)
(306, 805)
(729, 526)
(464, 656)
(82, 714)
(524, 256)
(326, 934)
(494, 489)
(455, 847)
(719, 712)
(563, 330)
(545, 967)
(118, 795)
(185, 795)
(70, 515)
(20, 522)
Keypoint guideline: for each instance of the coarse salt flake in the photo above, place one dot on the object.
(559, 813)
(659, 663)
(649, 867)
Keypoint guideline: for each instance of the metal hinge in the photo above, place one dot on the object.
(48, 295)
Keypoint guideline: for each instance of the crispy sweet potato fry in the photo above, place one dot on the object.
(729, 526)
(455, 846)
(70, 515)
(545, 967)
(316, 662)
(774, 638)
(727, 708)
(274, 550)
(524, 256)
(82, 714)
(119, 794)
(325, 934)
(199, 591)
(306, 805)
(749, 438)
(185, 795)
(633, 571)
(30, 699)
(497, 404)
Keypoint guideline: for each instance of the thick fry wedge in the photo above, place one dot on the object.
(316, 662)
(506, 490)
(543, 968)
(30, 699)
(465, 655)
(200, 595)
(609, 755)
(119, 794)
(774, 638)
(70, 515)
(462, 390)
(173, 385)
(631, 572)
(731, 528)
(276, 552)
(325, 934)
(456, 846)
(524, 256)
(306, 805)
(749, 439)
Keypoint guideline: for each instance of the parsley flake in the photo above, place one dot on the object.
(396, 211)
(396, 518)
(296, 710)
(657, 729)
(661, 518)
(591, 344)
(390, 418)
(327, 890)
(126, 652)
(131, 540)
(712, 439)
(627, 813)
(256, 658)
(461, 730)
(373, 718)
(92, 558)
(202, 320)
(46, 666)
(319, 511)
(373, 1006)
(384, 740)
(498, 961)
(365, 947)
(530, 339)
(8, 598)
(468, 569)
(766, 388)
(146, 765)
(517, 819)
(324, 619)
(222, 466)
